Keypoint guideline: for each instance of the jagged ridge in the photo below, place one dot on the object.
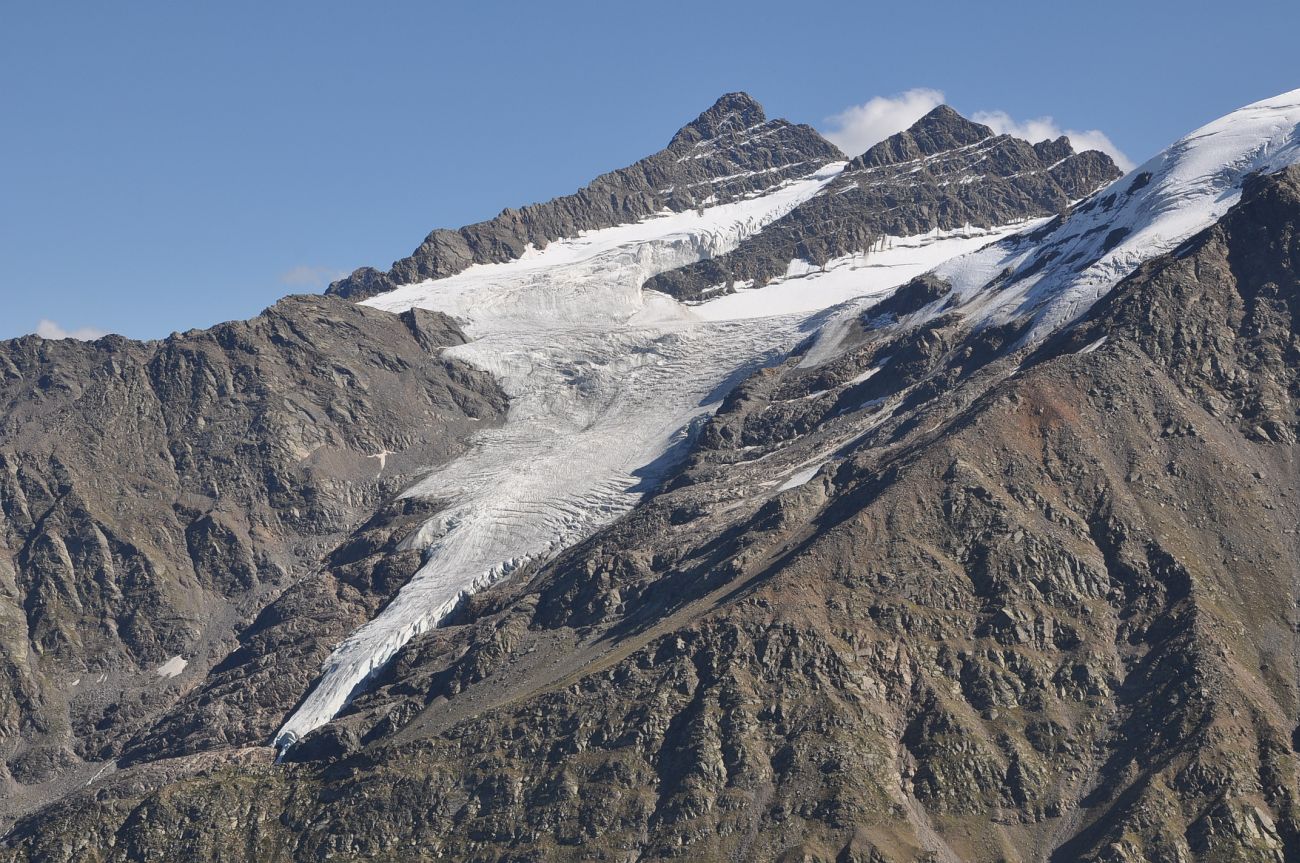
(730, 150)
(943, 173)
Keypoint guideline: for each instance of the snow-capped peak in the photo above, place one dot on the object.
(1055, 278)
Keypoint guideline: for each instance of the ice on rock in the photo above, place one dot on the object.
(171, 668)
(800, 478)
(1056, 278)
(807, 288)
(604, 380)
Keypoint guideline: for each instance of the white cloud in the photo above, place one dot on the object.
(1039, 128)
(48, 329)
(308, 276)
(854, 130)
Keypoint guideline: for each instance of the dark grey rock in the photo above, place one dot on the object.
(945, 172)
(155, 497)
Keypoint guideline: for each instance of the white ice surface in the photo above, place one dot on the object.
(800, 478)
(603, 380)
(171, 668)
(1089, 348)
(808, 289)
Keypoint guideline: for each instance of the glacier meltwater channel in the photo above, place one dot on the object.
(603, 379)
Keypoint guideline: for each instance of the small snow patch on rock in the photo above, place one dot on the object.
(171, 668)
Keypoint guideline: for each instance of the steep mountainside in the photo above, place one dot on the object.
(995, 561)
(154, 497)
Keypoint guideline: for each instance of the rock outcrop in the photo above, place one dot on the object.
(942, 174)
(156, 497)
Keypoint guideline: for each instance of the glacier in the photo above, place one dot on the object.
(604, 379)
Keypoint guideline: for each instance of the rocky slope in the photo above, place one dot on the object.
(729, 151)
(942, 174)
(155, 497)
(998, 565)
(1046, 611)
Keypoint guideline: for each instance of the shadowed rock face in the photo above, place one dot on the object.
(156, 496)
(944, 173)
(729, 151)
(1028, 606)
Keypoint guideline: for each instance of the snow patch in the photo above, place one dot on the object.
(383, 455)
(868, 374)
(1087, 349)
(171, 668)
(800, 478)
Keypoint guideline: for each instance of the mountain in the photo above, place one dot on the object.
(963, 531)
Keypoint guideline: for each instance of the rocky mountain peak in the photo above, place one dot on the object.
(938, 131)
(733, 112)
(709, 160)
(1054, 150)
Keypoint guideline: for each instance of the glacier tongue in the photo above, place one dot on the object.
(603, 380)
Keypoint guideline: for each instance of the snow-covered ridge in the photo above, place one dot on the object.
(1149, 212)
(604, 379)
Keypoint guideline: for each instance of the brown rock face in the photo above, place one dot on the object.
(1024, 607)
(944, 173)
(155, 497)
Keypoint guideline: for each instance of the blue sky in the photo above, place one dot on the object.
(169, 165)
